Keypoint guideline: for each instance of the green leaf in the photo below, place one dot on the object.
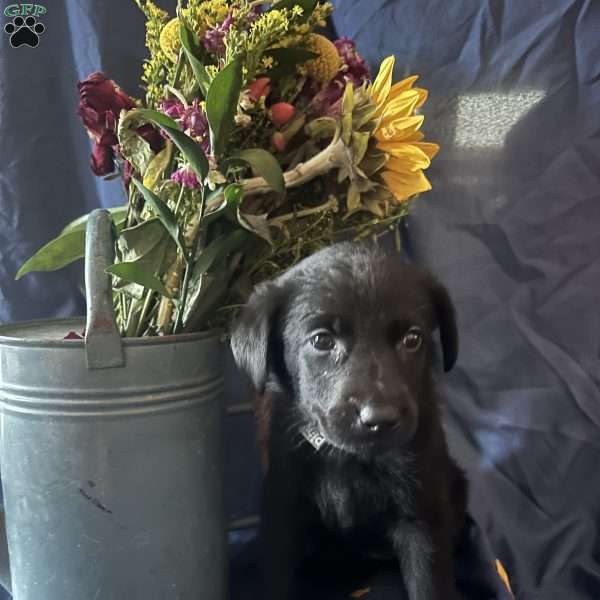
(212, 293)
(163, 212)
(150, 247)
(257, 224)
(56, 254)
(323, 127)
(265, 165)
(188, 147)
(233, 195)
(359, 145)
(118, 214)
(307, 5)
(132, 146)
(347, 107)
(132, 272)
(187, 41)
(353, 198)
(361, 116)
(374, 163)
(231, 198)
(219, 249)
(158, 166)
(216, 252)
(137, 241)
(68, 247)
(221, 104)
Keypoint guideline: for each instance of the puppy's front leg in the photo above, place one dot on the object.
(281, 538)
(425, 562)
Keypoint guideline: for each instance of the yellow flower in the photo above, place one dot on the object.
(206, 14)
(170, 43)
(324, 68)
(397, 133)
(199, 17)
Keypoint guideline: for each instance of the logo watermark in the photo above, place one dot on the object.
(25, 28)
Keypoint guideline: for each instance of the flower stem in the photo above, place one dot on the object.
(198, 237)
(333, 156)
(140, 325)
(179, 199)
(331, 204)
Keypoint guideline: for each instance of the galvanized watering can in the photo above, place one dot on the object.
(110, 455)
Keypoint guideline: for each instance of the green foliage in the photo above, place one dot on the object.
(221, 104)
(133, 147)
(308, 6)
(264, 164)
(190, 48)
(68, 247)
(191, 150)
(287, 60)
(134, 273)
(163, 212)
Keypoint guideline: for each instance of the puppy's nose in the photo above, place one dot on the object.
(377, 417)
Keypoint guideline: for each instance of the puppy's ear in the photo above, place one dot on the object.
(252, 333)
(446, 319)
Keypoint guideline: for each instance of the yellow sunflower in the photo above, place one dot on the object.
(397, 133)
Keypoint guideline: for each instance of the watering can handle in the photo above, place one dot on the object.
(102, 340)
(103, 346)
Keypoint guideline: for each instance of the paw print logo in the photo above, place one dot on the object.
(24, 31)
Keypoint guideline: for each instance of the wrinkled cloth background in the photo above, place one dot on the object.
(511, 227)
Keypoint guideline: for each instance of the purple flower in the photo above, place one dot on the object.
(326, 102)
(152, 136)
(354, 68)
(214, 38)
(101, 101)
(103, 159)
(192, 119)
(172, 107)
(186, 177)
(255, 12)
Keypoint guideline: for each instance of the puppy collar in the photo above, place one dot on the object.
(313, 436)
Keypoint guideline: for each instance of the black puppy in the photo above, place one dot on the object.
(340, 350)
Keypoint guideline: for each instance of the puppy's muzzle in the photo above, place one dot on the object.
(379, 416)
(375, 418)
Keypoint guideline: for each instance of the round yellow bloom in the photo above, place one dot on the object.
(170, 43)
(398, 134)
(324, 68)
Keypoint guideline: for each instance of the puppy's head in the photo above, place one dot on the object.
(349, 333)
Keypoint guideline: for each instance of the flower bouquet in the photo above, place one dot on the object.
(259, 141)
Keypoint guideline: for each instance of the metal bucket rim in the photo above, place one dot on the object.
(15, 340)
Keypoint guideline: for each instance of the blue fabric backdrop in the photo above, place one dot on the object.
(511, 227)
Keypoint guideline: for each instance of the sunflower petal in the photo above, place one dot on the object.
(423, 95)
(417, 136)
(383, 82)
(402, 106)
(429, 148)
(406, 149)
(399, 129)
(405, 185)
(402, 86)
(373, 162)
(407, 158)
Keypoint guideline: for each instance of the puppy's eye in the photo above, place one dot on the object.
(413, 339)
(323, 341)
